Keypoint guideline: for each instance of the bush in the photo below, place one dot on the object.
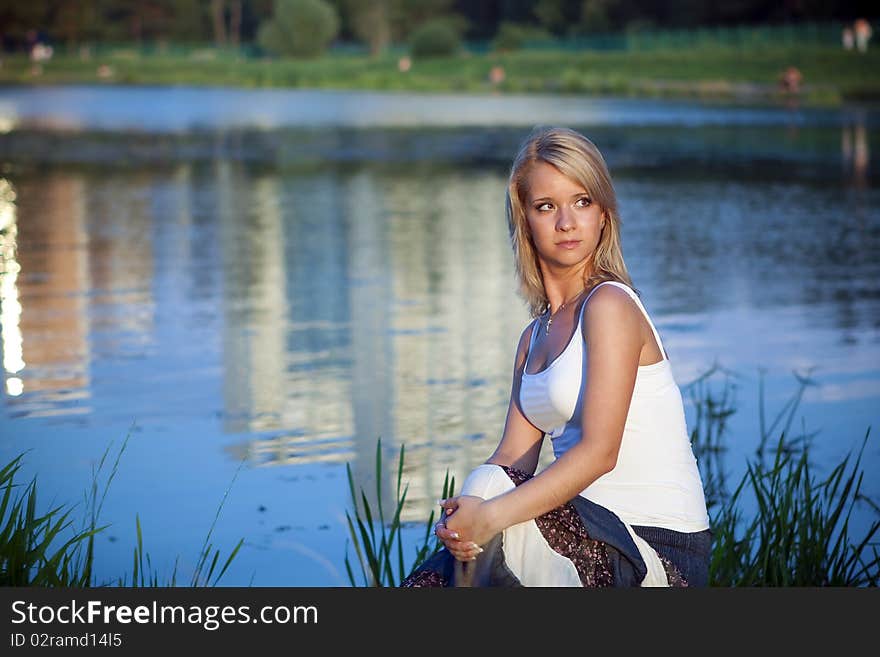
(435, 38)
(300, 28)
(513, 36)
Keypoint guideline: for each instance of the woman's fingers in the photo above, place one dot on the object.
(461, 550)
(450, 504)
(465, 551)
(444, 533)
(452, 540)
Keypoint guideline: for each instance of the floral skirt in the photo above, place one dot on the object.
(577, 544)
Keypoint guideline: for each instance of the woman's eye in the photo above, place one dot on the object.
(543, 207)
(584, 201)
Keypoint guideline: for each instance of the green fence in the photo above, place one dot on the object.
(828, 34)
(740, 36)
(743, 36)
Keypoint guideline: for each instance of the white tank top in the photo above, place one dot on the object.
(656, 481)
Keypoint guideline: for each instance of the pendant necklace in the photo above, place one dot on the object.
(561, 307)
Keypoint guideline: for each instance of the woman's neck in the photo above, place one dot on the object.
(563, 290)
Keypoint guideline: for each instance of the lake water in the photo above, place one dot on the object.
(265, 282)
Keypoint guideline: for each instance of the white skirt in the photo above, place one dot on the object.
(527, 553)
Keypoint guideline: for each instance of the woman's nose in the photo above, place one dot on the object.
(564, 219)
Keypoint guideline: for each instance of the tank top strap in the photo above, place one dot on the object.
(635, 297)
(536, 324)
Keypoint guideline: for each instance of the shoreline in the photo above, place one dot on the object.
(830, 78)
(712, 92)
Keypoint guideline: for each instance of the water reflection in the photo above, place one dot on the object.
(10, 307)
(45, 317)
(855, 150)
(356, 309)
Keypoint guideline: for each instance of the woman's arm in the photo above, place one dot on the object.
(614, 340)
(519, 447)
(520, 444)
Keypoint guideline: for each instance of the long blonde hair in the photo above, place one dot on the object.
(577, 158)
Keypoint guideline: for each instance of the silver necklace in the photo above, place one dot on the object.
(561, 307)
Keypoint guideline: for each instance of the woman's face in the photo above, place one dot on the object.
(564, 222)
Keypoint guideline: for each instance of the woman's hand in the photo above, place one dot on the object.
(462, 550)
(467, 526)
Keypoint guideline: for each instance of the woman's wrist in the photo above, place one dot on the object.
(495, 514)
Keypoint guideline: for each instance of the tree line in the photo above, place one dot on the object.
(378, 23)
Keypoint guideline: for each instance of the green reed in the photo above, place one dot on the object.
(379, 545)
(801, 534)
(712, 409)
(47, 549)
(27, 557)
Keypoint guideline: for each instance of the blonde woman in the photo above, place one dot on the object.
(622, 504)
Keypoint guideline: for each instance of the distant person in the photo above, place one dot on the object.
(849, 38)
(790, 80)
(863, 32)
(623, 503)
(41, 53)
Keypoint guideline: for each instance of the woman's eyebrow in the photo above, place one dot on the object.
(550, 198)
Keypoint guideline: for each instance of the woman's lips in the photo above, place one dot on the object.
(568, 245)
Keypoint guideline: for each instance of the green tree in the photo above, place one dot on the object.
(551, 14)
(370, 22)
(595, 15)
(407, 15)
(380, 22)
(218, 20)
(435, 38)
(512, 36)
(301, 28)
(226, 20)
(190, 22)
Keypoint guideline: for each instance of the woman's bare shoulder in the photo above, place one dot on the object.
(610, 308)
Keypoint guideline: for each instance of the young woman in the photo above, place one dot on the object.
(622, 504)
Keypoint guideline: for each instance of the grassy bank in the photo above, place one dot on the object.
(831, 75)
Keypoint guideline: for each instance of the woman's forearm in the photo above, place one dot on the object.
(558, 483)
(526, 461)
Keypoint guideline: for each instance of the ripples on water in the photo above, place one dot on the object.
(287, 296)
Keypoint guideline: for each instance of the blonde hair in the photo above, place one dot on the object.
(577, 158)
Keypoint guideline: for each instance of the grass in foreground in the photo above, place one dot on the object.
(800, 535)
(45, 549)
(379, 545)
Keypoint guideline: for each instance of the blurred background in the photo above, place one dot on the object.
(256, 236)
